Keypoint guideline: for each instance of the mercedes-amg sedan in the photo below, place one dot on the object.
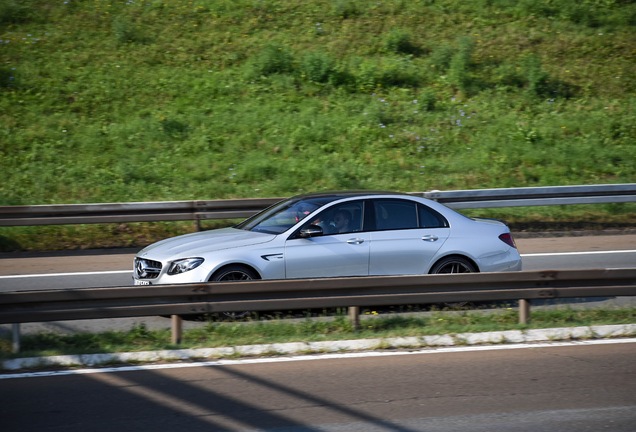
(333, 235)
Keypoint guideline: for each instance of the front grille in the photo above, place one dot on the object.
(147, 269)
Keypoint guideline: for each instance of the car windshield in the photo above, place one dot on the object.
(284, 215)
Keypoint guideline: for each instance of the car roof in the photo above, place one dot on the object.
(347, 194)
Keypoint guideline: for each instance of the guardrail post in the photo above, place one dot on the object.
(177, 329)
(354, 317)
(15, 346)
(524, 311)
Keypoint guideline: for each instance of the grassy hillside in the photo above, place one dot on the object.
(140, 100)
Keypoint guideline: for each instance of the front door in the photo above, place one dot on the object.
(342, 249)
(328, 256)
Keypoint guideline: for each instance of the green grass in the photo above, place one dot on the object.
(219, 334)
(144, 100)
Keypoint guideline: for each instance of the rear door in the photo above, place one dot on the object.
(406, 238)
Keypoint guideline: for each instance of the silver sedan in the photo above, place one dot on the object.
(333, 235)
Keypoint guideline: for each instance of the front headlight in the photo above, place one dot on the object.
(184, 265)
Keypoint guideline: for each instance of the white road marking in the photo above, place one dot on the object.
(66, 274)
(548, 254)
(216, 363)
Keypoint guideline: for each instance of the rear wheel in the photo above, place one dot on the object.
(234, 273)
(453, 265)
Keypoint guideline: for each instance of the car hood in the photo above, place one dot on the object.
(201, 243)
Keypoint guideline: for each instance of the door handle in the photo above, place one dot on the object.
(430, 238)
(355, 241)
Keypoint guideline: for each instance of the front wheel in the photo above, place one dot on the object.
(234, 273)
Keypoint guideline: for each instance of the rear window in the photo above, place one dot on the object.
(405, 214)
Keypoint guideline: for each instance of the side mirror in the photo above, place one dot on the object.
(311, 231)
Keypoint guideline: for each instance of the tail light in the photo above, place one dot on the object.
(508, 239)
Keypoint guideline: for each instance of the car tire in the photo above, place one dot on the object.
(454, 265)
(234, 273)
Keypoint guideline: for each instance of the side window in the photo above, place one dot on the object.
(429, 218)
(341, 218)
(395, 214)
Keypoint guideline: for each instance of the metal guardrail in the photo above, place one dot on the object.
(272, 295)
(536, 196)
(268, 295)
(67, 214)
(241, 208)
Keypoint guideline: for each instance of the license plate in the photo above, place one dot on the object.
(141, 282)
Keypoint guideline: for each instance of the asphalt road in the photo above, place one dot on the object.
(577, 388)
